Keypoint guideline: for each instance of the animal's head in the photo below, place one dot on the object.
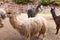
(39, 6)
(10, 13)
(52, 10)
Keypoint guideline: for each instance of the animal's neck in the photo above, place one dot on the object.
(16, 25)
(37, 9)
(53, 13)
(38, 6)
(13, 21)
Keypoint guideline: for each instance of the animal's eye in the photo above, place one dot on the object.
(8, 13)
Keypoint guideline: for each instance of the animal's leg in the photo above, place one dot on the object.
(43, 32)
(28, 36)
(38, 35)
(44, 36)
(57, 29)
(1, 23)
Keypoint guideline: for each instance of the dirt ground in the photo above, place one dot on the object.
(9, 33)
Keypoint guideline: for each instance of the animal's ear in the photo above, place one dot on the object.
(52, 7)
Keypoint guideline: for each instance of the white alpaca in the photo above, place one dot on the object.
(2, 11)
(2, 16)
(29, 26)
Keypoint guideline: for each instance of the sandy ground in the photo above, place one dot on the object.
(9, 33)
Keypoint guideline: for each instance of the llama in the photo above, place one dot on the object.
(28, 27)
(32, 12)
(56, 19)
(2, 16)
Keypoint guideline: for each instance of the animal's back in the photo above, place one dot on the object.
(36, 25)
(32, 25)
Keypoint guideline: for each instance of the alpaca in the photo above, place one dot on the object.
(56, 19)
(32, 12)
(2, 16)
(2, 13)
(28, 27)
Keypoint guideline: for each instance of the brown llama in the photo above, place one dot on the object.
(56, 19)
(28, 27)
